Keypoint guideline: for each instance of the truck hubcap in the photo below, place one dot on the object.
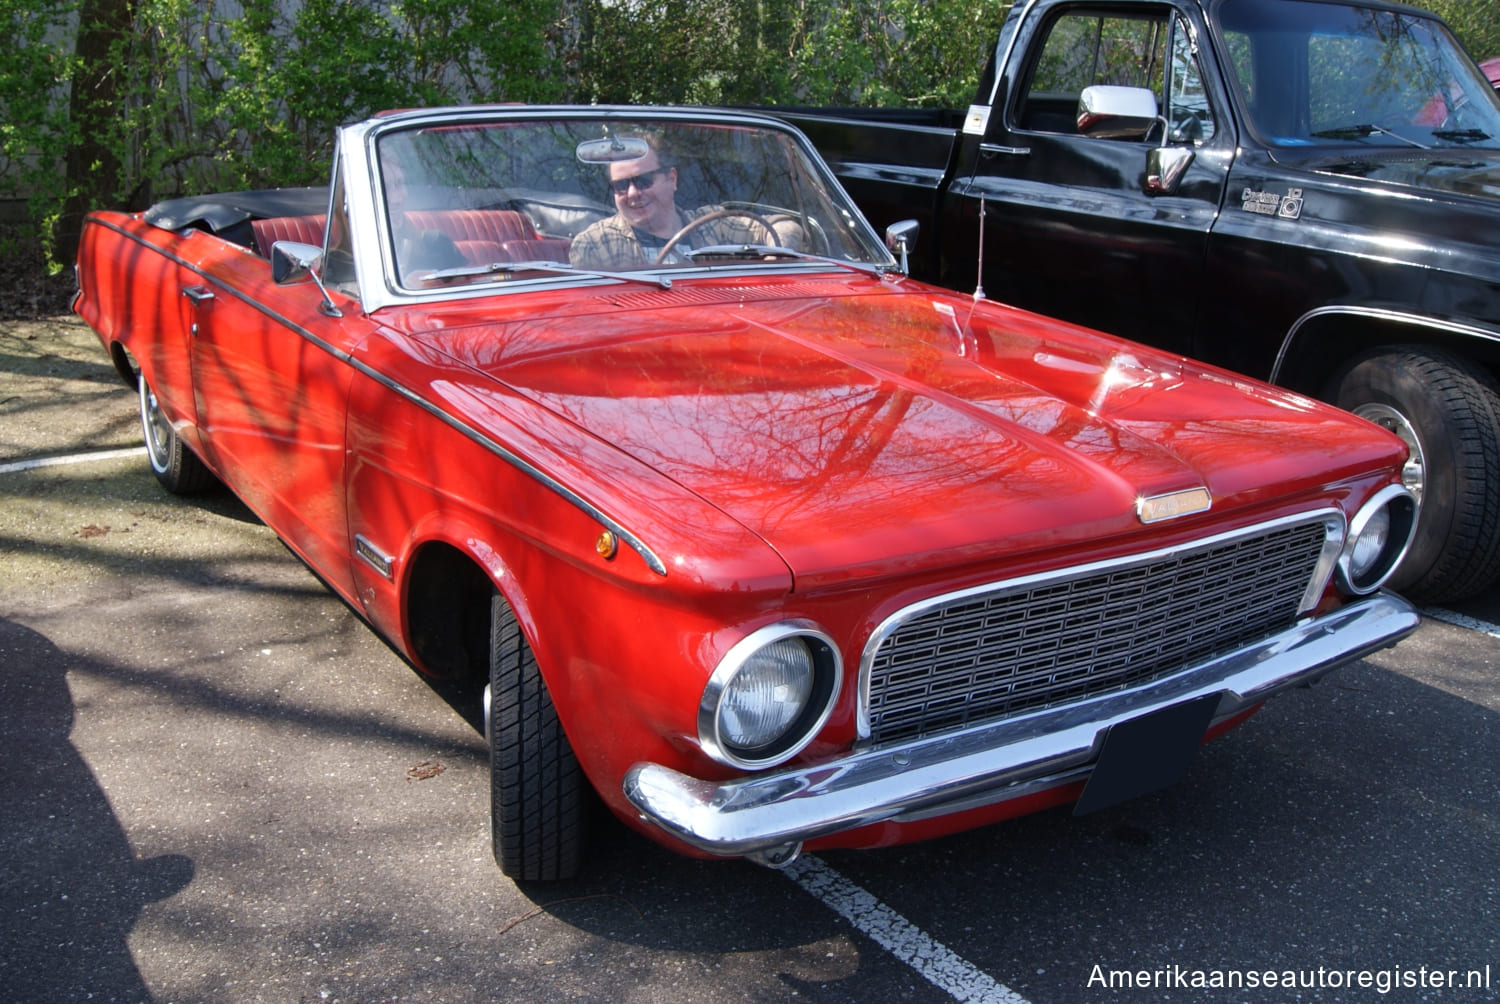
(1413, 472)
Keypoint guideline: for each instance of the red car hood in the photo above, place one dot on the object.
(863, 431)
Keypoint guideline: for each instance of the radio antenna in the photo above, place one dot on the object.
(979, 279)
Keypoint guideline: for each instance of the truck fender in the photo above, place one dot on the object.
(1321, 340)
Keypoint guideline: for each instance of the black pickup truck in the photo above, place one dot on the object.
(1306, 191)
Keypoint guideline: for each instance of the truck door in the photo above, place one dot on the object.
(1071, 227)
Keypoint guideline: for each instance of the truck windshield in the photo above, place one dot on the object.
(1321, 74)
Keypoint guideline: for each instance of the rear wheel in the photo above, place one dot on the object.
(539, 799)
(1447, 410)
(177, 468)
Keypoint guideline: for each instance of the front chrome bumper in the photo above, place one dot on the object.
(770, 814)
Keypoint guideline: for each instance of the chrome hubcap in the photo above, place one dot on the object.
(1414, 471)
(158, 430)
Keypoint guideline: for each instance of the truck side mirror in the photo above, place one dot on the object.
(1108, 111)
(1165, 166)
(900, 238)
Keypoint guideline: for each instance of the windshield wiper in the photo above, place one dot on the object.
(542, 265)
(752, 252)
(1461, 135)
(1363, 131)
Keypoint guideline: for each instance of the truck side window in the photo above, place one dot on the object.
(1187, 108)
(1087, 47)
(1084, 47)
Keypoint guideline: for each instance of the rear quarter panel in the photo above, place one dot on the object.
(130, 282)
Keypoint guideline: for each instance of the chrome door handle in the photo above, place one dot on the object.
(198, 294)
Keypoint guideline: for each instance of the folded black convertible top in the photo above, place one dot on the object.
(223, 212)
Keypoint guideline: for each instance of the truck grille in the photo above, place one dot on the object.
(997, 651)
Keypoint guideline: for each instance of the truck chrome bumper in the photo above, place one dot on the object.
(778, 810)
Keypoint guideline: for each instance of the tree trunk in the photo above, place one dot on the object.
(92, 169)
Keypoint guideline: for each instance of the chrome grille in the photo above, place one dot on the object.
(998, 651)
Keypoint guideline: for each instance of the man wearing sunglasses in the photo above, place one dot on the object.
(647, 218)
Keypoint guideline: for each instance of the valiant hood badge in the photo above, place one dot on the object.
(1173, 504)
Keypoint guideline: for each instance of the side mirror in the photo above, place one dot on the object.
(292, 263)
(900, 238)
(1107, 111)
(1165, 166)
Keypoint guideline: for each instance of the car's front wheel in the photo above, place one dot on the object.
(539, 798)
(1447, 410)
(177, 468)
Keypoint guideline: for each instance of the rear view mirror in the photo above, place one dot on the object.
(612, 149)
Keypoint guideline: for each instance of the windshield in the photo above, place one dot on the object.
(497, 201)
(1314, 74)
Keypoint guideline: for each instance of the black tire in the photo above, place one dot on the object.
(539, 799)
(1448, 411)
(177, 468)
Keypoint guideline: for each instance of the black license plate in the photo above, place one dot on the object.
(1146, 754)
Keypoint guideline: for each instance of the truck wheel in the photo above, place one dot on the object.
(1447, 409)
(539, 798)
(177, 468)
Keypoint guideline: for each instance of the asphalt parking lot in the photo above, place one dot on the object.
(219, 786)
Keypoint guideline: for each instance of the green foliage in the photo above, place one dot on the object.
(908, 53)
(34, 72)
(1475, 22)
(199, 100)
(897, 53)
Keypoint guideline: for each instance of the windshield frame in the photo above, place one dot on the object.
(366, 210)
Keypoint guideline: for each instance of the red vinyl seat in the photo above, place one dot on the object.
(497, 225)
(303, 229)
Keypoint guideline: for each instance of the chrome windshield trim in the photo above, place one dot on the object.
(664, 277)
(997, 762)
(374, 256)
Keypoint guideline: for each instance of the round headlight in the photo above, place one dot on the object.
(1378, 537)
(769, 696)
(1370, 545)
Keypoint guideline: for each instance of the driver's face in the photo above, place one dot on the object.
(652, 208)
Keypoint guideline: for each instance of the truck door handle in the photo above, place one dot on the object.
(198, 294)
(995, 149)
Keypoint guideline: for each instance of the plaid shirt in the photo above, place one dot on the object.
(612, 243)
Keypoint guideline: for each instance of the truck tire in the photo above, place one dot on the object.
(1448, 411)
(177, 468)
(539, 799)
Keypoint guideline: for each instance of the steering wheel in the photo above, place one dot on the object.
(717, 214)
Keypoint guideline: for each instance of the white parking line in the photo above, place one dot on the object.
(74, 458)
(1462, 620)
(897, 935)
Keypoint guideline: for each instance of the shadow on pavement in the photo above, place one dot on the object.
(71, 888)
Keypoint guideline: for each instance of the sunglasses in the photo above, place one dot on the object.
(642, 181)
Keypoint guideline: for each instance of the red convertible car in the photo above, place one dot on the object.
(627, 416)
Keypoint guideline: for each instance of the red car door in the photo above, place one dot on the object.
(271, 388)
